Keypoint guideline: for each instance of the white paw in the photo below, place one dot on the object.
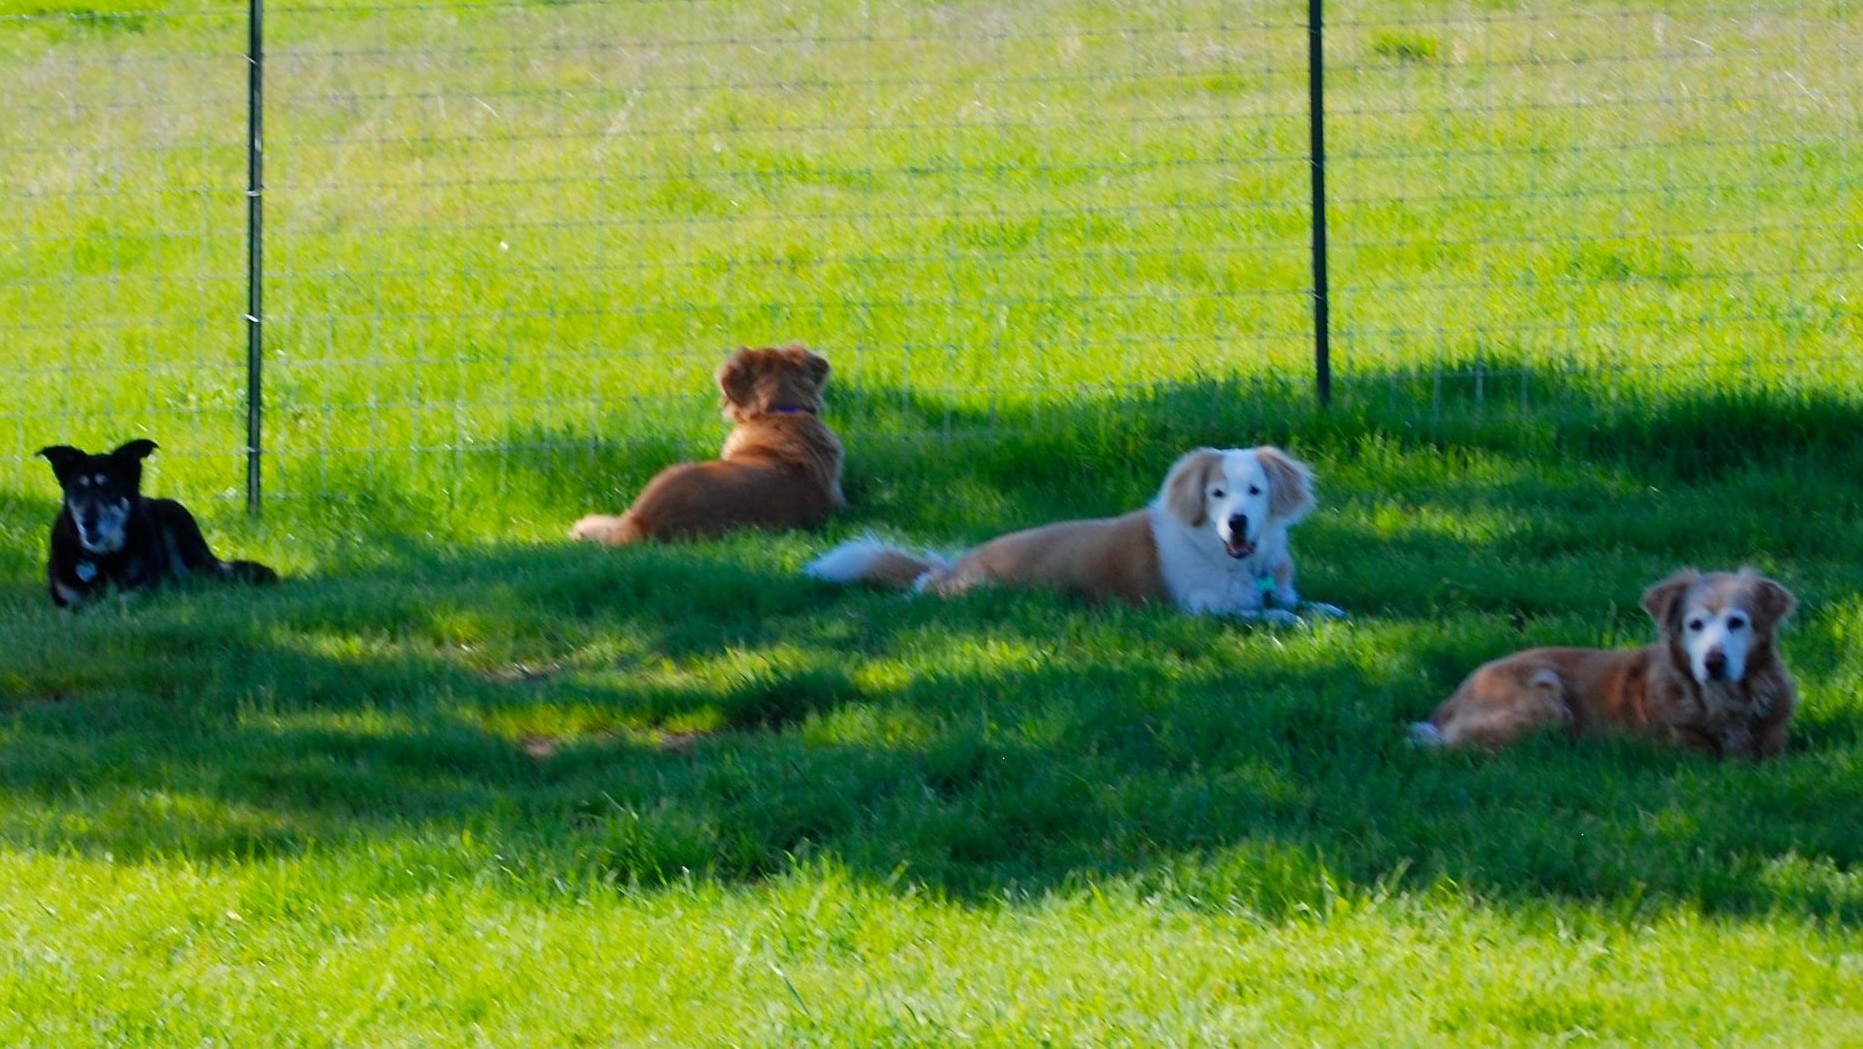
(1324, 610)
(1279, 617)
(1424, 734)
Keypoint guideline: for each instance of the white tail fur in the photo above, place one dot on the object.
(870, 560)
(848, 562)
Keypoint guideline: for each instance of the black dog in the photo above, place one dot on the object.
(107, 533)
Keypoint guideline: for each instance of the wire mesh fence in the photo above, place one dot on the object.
(513, 235)
(121, 274)
(504, 238)
(1549, 204)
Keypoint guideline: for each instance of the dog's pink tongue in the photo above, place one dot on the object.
(1238, 547)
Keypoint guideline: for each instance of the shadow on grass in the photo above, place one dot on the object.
(573, 716)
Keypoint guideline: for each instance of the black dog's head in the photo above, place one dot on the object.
(100, 490)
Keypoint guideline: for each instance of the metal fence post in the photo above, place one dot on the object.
(1316, 121)
(255, 118)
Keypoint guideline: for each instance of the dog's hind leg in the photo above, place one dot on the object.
(188, 552)
(247, 572)
(183, 545)
(1495, 707)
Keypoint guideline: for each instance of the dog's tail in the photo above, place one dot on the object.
(608, 529)
(247, 572)
(873, 563)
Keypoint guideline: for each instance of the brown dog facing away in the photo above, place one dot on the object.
(1214, 542)
(1714, 681)
(780, 467)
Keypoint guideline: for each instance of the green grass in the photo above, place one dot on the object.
(457, 781)
(442, 790)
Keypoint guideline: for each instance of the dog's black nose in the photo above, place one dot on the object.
(1238, 524)
(1715, 662)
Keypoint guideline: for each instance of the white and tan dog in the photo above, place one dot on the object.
(1714, 681)
(1214, 542)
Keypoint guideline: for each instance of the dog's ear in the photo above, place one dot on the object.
(135, 451)
(1290, 483)
(1772, 602)
(737, 377)
(814, 364)
(1183, 486)
(1660, 600)
(63, 458)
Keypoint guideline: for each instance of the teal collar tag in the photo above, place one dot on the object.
(85, 571)
(1265, 584)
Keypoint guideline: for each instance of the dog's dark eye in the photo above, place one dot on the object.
(1695, 624)
(1254, 489)
(1735, 623)
(1216, 493)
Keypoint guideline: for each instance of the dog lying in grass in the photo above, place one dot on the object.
(1213, 542)
(108, 534)
(1714, 681)
(780, 468)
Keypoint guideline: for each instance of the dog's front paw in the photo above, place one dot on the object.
(1322, 610)
(1738, 742)
(1279, 617)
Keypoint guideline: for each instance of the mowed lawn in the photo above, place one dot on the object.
(457, 781)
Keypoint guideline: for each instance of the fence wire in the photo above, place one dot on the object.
(1546, 205)
(121, 273)
(504, 239)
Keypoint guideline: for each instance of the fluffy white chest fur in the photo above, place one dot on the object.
(1202, 578)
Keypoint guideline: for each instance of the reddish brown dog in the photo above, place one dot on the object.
(1714, 682)
(780, 468)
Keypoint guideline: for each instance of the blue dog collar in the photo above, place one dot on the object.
(1265, 585)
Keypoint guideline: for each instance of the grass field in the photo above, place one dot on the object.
(458, 782)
